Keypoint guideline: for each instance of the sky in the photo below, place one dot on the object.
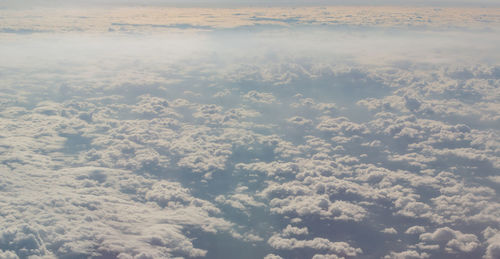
(240, 3)
(325, 131)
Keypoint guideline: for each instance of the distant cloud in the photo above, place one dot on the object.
(123, 17)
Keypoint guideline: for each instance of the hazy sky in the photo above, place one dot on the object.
(236, 3)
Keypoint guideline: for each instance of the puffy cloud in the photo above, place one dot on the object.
(150, 105)
(492, 237)
(323, 244)
(415, 230)
(8, 255)
(270, 169)
(452, 239)
(309, 103)
(84, 223)
(260, 97)
(410, 254)
(320, 206)
(290, 230)
(389, 231)
(155, 152)
(299, 121)
(326, 256)
(341, 125)
(240, 200)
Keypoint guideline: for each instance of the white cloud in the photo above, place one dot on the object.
(321, 244)
(389, 231)
(272, 256)
(260, 97)
(326, 256)
(295, 231)
(452, 239)
(8, 255)
(493, 240)
(415, 230)
(410, 254)
(154, 146)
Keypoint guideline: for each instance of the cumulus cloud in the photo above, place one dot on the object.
(82, 221)
(410, 254)
(330, 145)
(492, 237)
(326, 256)
(321, 244)
(415, 230)
(452, 239)
(290, 230)
(259, 97)
(8, 255)
(389, 231)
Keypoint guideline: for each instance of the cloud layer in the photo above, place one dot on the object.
(154, 20)
(258, 143)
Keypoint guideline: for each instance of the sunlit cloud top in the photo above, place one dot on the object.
(155, 19)
(239, 3)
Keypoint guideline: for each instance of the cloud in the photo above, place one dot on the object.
(70, 226)
(8, 255)
(272, 256)
(290, 230)
(259, 97)
(415, 230)
(341, 125)
(410, 254)
(144, 143)
(326, 256)
(452, 239)
(88, 17)
(389, 231)
(343, 248)
(299, 121)
(492, 237)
